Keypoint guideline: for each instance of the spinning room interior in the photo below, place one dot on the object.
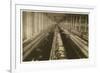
(54, 36)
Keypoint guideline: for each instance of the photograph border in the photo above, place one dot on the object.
(13, 34)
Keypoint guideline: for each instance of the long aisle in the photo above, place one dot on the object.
(58, 50)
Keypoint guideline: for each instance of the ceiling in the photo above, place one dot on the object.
(56, 16)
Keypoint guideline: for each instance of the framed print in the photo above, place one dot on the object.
(51, 36)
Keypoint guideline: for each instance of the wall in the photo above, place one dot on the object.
(34, 23)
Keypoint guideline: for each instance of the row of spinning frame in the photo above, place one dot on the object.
(57, 51)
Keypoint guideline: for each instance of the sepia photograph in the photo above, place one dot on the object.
(54, 36)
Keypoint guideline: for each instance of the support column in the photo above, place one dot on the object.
(71, 22)
(74, 22)
(80, 23)
(33, 25)
(36, 22)
(39, 20)
(86, 23)
(77, 22)
(42, 21)
(45, 21)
